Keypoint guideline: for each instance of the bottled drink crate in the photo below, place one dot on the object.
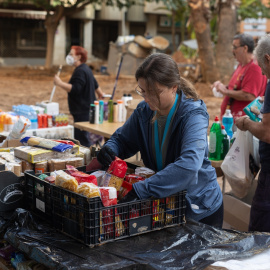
(89, 222)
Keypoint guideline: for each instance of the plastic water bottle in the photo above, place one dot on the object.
(215, 139)
(225, 143)
(227, 121)
(32, 116)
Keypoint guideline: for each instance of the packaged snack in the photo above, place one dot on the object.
(143, 171)
(46, 144)
(124, 190)
(110, 219)
(133, 178)
(89, 190)
(118, 168)
(50, 179)
(81, 177)
(109, 180)
(41, 167)
(253, 109)
(66, 181)
(98, 175)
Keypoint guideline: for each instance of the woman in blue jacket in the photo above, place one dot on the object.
(169, 128)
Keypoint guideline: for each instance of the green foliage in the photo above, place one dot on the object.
(187, 52)
(252, 9)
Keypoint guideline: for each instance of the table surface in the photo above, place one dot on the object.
(105, 129)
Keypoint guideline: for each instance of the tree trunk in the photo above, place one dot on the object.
(173, 30)
(200, 16)
(51, 24)
(226, 32)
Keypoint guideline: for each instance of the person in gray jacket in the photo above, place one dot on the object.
(169, 128)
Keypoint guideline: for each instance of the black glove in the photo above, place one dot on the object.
(105, 156)
(130, 197)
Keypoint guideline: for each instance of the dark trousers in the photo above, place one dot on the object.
(82, 136)
(216, 219)
(260, 207)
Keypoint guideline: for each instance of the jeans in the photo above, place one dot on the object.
(260, 207)
(216, 219)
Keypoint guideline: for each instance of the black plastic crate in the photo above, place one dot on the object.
(38, 196)
(89, 222)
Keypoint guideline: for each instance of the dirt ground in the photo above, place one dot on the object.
(29, 85)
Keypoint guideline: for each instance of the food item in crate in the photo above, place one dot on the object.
(66, 181)
(109, 180)
(81, 177)
(46, 144)
(99, 175)
(118, 168)
(89, 190)
(145, 172)
(42, 176)
(50, 179)
(133, 178)
(124, 190)
(109, 197)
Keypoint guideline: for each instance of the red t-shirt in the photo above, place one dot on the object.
(249, 79)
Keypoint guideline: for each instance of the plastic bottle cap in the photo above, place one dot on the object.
(96, 102)
(222, 127)
(216, 119)
(119, 101)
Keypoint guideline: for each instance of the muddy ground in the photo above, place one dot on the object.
(29, 85)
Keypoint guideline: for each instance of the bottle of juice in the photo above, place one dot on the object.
(215, 139)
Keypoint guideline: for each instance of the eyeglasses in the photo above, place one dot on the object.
(139, 91)
(236, 47)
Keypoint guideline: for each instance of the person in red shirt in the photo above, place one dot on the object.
(247, 80)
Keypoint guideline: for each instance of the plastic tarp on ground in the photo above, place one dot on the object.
(190, 246)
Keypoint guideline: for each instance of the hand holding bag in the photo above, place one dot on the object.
(236, 165)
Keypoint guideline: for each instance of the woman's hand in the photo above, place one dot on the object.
(57, 80)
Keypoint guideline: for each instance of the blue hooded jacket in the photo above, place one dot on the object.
(187, 166)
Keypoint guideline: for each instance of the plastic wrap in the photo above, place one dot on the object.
(193, 246)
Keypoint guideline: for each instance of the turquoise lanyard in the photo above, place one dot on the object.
(157, 147)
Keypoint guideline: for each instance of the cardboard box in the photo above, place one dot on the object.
(237, 211)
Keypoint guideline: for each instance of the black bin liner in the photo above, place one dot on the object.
(190, 246)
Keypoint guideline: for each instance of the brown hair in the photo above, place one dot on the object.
(161, 68)
(80, 51)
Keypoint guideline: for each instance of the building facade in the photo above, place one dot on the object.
(23, 34)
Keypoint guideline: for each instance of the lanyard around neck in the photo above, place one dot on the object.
(158, 148)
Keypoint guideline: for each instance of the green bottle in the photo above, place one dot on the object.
(225, 143)
(110, 111)
(215, 139)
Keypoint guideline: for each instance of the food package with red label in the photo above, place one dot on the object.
(118, 168)
(133, 178)
(124, 190)
(109, 198)
(81, 177)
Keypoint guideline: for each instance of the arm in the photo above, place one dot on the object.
(65, 86)
(99, 93)
(183, 172)
(261, 130)
(238, 95)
